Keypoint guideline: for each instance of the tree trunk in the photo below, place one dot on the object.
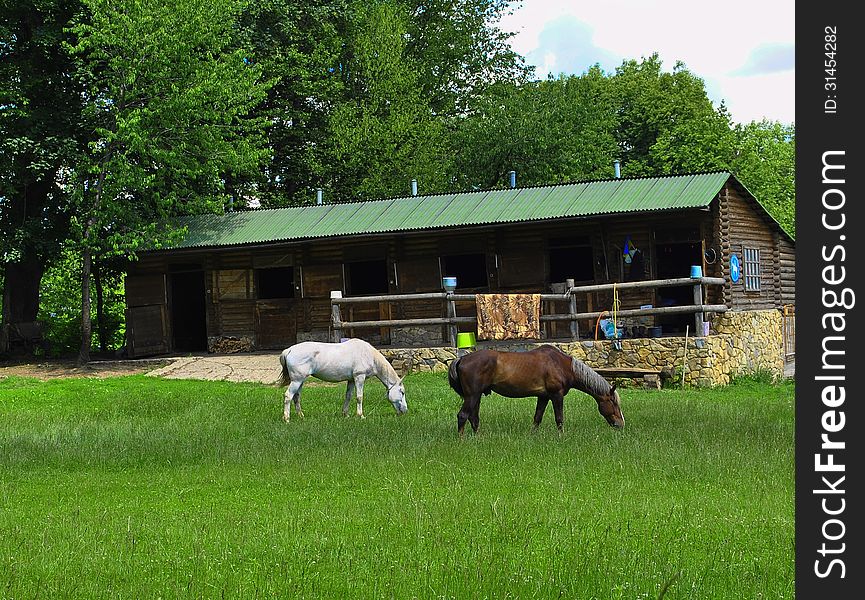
(21, 282)
(100, 307)
(86, 328)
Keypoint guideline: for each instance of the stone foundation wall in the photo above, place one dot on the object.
(416, 336)
(313, 336)
(739, 343)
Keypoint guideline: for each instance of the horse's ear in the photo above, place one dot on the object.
(613, 387)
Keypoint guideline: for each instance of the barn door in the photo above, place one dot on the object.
(275, 324)
(147, 329)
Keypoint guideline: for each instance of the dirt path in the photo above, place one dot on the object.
(256, 367)
(53, 369)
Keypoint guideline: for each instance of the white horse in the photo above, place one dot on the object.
(352, 360)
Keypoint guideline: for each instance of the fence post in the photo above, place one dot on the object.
(698, 317)
(452, 313)
(335, 318)
(572, 308)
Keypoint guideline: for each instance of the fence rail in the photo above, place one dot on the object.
(789, 314)
(451, 321)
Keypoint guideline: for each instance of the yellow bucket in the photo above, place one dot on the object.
(466, 340)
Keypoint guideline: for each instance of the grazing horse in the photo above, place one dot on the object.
(352, 360)
(545, 372)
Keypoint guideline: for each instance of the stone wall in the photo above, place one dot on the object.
(416, 336)
(739, 343)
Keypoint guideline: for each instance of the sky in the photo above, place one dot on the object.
(742, 49)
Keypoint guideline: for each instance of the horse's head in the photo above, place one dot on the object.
(396, 395)
(610, 408)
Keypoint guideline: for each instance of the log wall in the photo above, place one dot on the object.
(517, 260)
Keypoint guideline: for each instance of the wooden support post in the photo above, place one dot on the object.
(698, 317)
(335, 317)
(452, 326)
(572, 307)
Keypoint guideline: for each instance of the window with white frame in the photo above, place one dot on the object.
(751, 269)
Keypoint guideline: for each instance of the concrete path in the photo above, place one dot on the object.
(257, 367)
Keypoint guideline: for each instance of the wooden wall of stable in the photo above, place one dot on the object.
(517, 258)
(742, 225)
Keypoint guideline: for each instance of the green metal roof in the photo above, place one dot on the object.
(611, 196)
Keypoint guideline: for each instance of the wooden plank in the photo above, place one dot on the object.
(275, 324)
(419, 274)
(232, 284)
(145, 290)
(666, 310)
(320, 280)
(236, 317)
(148, 327)
(407, 322)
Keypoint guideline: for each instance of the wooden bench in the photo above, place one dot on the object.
(649, 378)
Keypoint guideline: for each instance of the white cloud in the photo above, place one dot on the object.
(724, 44)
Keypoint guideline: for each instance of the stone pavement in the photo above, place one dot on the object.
(256, 367)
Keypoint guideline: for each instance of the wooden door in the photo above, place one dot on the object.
(147, 330)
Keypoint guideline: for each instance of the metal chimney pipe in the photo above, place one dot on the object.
(618, 167)
(318, 195)
(513, 178)
(414, 187)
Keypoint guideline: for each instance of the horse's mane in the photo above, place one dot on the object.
(589, 380)
(383, 365)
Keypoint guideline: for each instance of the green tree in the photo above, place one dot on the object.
(666, 121)
(765, 162)
(297, 45)
(548, 131)
(40, 133)
(460, 51)
(383, 133)
(168, 98)
(364, 90)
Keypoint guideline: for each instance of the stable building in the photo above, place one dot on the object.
(262, 279)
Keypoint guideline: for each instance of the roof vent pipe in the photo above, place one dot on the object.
(513, 178)
(318, 194)
(618, 167)
(414, 187)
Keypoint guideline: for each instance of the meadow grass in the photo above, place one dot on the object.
(136, 487)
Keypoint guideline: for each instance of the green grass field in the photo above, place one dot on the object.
(135, 487)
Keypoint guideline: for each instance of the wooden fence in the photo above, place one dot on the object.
(789, 313)
(452, 321)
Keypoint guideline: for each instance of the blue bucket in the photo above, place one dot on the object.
(696, 271)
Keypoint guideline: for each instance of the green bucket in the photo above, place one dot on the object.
(466, 340)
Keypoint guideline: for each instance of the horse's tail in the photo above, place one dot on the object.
(284, 377)
(454, 376)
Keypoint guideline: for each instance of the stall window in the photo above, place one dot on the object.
(275, 283)
(469, 269)
(366, 277)
(571, 259)
(751, 269)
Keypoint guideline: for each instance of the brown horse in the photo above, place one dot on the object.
(545, 372)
